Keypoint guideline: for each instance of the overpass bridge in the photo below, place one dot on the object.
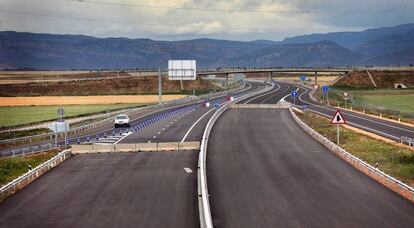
(224, 73)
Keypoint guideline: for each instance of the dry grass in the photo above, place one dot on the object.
(322, 80)
(76, 100)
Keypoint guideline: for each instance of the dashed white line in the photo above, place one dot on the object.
(191, 128)
(188, 170)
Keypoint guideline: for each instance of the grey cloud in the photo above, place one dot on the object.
(304, 16)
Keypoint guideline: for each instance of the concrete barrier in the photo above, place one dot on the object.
(27, 178)
(206, 220)
(135, 147)
(388, 181)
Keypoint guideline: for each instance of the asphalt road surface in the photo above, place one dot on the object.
(120, 189)
(263, 170)
(110, 190)
(108, 129)
(384, 128)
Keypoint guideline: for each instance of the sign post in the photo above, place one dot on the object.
(345, 97)
(325, 90)
(294, 94)
(337, 120)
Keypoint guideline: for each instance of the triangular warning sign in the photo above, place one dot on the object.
(338, 119)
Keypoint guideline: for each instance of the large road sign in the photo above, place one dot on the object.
(338, 118)
(182, 70)
(59, 126)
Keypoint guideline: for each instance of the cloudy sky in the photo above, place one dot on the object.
(187, 19)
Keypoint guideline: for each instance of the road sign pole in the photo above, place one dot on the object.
(56, 135)
(294, 100)
(65, 135)
(327, 97)
(337, 134)
(159, 87)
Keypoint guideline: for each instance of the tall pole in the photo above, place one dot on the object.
(159, 87)
(337, 134)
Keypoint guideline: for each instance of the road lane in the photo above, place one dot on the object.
(110, 190)
(264, 171)
(384, 128)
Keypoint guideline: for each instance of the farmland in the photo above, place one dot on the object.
(19, 115)
(386, 101)
(82, 100)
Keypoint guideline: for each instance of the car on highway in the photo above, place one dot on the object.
(121, 120)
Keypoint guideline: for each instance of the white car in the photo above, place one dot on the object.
(121, 120)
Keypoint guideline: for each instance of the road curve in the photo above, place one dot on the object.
(263, 170)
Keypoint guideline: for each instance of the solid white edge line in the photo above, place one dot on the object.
(359, 117)
(191, 128)
(123, 137)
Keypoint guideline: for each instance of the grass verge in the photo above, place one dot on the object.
(11, 168)
(20, 115)
(393, 160)
(390, 103)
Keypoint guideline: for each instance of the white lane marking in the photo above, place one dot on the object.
(188, 170)
(149, 141)
(254, 98)
(172, 122)
(191, 128)
(159, 132)
(271, 96)
(154, 137)
(374, 121)
(168, 125)
(126, 135)
(163, 129)
(283, 99)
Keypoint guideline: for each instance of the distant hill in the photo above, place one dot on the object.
(325, 53)
(352, 40)
(382, 46)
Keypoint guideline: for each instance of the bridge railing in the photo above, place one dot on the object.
(390, 182)
(203, 197)
(32, 175)
(109, 118)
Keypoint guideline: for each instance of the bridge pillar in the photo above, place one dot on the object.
(227, 81)
(316, 77)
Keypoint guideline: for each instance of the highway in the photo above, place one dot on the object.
(381, 127)
(137, 119)
(377, 126)
(263, 170)
(146, 189)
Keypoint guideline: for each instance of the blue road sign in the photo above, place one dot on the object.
(216, 105)
(325, 89)
(294, 93)
(302, 77)
(304, 107)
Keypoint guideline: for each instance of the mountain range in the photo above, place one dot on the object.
(380, 46)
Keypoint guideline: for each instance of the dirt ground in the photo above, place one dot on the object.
(383, 79)
(76, 100)
(114, 86)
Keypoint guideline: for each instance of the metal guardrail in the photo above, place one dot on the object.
(32, 175)
(203, 196)
(109, 119)
(407, 140)
(385, 179)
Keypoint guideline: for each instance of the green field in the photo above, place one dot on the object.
(396, 161)
(11, 168)
(19, 115)
(386, 101)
